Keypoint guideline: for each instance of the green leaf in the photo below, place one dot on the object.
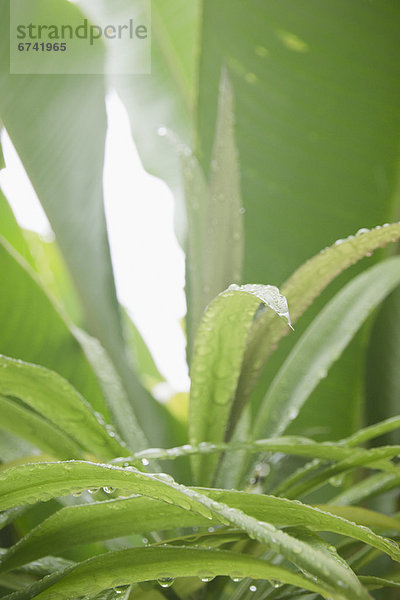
(30, 483)
(383, 358)
(52, 271)
(148, 564)
(218, 354)
(321, 344)
(300, 290)
(317, 162)
(115, 395)
(363, 516)
(214, 213)
(145, 366)
(83, 524)
(33, 328)
(376, 583)
(71, 196)
(11, 231)
(40, 433)
(54, 398)
(373, 485)
(361, 436)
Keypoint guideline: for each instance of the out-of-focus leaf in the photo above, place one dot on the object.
(318, 161)
(51, 269)
(34, 330)
(11, 231)
(145, 366)
(218, 354)
(167, 98)
(363, 516)
(13, 448)
(215, 223)
(55, 398)
(376, 583)
(72, 196)
(147, 564)
(2, 163)
(114, 392)
(321, 344)
(382, 370)
(39, 432)
(360, 437)
(369, 487)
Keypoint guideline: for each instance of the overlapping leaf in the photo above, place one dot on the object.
(218, 354)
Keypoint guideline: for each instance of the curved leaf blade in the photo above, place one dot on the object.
(321, 344)
(55, 398)
(147, 564)
(218, 354)
(29, 483)
(41, 334)
(301, 289)
(40, 433)
(76, 525)
(215, 243)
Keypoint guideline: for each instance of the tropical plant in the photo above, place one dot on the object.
(278, 124)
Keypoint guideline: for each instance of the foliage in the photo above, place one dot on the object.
(278, 132)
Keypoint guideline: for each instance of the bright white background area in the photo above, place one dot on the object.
(148, 261)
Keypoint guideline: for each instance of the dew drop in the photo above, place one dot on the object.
(165, 582)
(362, 231)
(145, 540)
(242, 210)
(338, 242)
(145, 462)
(162, 131)
(253, 588)
(108, 490)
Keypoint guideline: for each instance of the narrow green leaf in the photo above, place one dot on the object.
(372, 431)
(321, 345)
(75, 106)
(40, 433)
(309, 147)
(215, 228)
(361, 436)
(218, 354)
(363, 516)
(56, 399)
(372, 459)
(147, 564)
(30, 483)
(83, 524)
(300, 290)
(376, 583)
(115, 395)
(41, 334)
(52, 271)
(145, 365)
(369, 487)
(294, 445)
(8, 516)
(11, 231)
(383, 358)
